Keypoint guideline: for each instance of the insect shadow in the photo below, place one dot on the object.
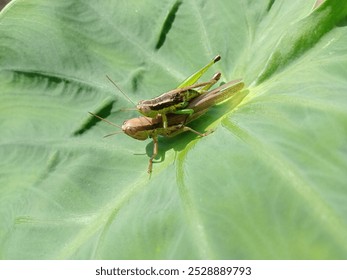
(179, 142)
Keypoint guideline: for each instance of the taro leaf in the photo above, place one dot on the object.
(269, 183)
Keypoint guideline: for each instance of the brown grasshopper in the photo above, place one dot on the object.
(176, 100)
(142, 127)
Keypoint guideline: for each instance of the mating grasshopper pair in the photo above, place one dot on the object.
(176, 100)
(168, 114)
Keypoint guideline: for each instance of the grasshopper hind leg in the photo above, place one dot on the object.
(187, 128)
(196, 76)
(184, 128)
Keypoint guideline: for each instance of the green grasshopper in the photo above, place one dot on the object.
(176, 101)
(143, 127)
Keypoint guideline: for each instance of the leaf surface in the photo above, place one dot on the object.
(269, 183)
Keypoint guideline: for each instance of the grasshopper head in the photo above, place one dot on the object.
(136, 128)
(145, 110)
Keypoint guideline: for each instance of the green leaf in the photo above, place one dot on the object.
(269, 183)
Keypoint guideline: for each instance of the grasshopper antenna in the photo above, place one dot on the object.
(127, 97)
(128, 109)
(100, 118)
(114, 133)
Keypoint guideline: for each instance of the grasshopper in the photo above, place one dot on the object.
(175, 101)
(143, 127)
